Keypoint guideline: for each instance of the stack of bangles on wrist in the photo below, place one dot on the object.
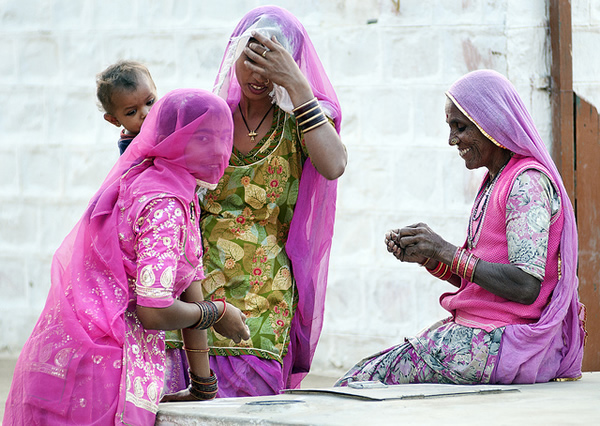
(464, 263)
(309, 115)
(209, 314)
(203, 388)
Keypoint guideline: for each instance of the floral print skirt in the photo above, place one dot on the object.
(446, 352)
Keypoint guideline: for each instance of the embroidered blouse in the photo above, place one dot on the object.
(531, 204)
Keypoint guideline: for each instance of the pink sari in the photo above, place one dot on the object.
(311, 229)
(89, 360)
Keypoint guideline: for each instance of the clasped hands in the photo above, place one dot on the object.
(414, 243)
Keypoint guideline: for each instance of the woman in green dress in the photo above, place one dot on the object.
(268, 225)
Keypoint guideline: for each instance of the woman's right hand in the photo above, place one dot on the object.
(233, 324)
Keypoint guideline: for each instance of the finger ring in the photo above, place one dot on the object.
(264, 54)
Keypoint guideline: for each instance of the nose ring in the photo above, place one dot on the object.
(454, 141)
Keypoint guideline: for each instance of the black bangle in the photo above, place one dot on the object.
(309, 116)
(312, 123)
(301, 109)
(203, 388)
(209, 313)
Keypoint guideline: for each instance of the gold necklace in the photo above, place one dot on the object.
(252, 133)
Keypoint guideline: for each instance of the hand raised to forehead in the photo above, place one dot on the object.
(272, 61)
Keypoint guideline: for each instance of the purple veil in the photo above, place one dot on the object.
(61, 374)
(552, 347)
(311, 230)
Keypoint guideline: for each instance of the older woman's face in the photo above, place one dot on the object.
(473, 146)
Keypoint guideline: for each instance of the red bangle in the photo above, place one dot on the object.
(464, 263)
(447, 274)
(435, 272)
(456, 260)
(471, 268)
(441, 271)
(224, 309)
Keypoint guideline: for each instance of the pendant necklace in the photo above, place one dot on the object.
(252, 133)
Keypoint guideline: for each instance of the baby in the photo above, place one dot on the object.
(126, 92)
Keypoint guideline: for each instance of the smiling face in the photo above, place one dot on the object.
(473, 147)
(130, 107)
(253, 85)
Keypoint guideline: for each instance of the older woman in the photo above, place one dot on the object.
(516, 315)
(268, 225)
(130, 268)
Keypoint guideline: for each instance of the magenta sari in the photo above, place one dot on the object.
(89, 360)
(311, 229)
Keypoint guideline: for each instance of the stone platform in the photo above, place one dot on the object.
(555, 403)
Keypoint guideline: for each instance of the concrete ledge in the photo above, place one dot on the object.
(539, 404)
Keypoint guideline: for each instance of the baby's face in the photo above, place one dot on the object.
(131, 107)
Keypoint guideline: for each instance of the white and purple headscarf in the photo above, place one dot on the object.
(552, 347)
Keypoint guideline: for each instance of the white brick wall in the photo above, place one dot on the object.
(390, 76)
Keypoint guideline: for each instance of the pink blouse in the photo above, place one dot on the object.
(155, 252)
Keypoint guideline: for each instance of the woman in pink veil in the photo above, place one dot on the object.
(267, 227)
(516, 316)
(129, 269)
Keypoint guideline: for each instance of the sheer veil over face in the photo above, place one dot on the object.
(187, 136)
(190, 132)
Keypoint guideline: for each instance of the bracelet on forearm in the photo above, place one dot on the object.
(441, 271)
(301, 109)
(224, 309)
(203, 388)
(309, 115)
(464, 263)
(208, 315)
(201, 351)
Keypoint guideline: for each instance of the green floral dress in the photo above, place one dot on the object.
(244, 225)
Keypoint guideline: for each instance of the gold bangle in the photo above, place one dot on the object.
(202, 351)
